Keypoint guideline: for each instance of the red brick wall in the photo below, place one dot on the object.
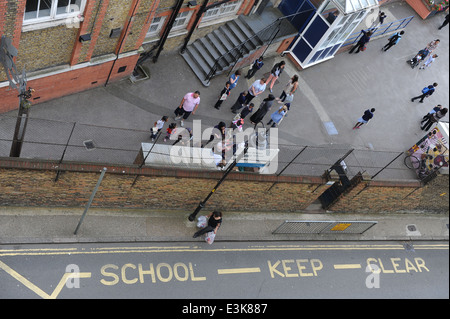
(70, 82)
(31, 183)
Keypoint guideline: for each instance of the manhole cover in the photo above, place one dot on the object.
(89, 144)
(412, 228)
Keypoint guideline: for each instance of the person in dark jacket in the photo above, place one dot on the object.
(393, 40)
(367, 116)
(433, 118)
(263, 109)
(426, 92)
(362, 41)
(257, 65)
(445, 21)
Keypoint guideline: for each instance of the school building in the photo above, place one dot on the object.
(67, 46)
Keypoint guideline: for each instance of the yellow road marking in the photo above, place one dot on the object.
(121, 250)
(238, 271)
(348, 266)
(38, 290)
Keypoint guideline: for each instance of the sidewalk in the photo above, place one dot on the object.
(56, 225)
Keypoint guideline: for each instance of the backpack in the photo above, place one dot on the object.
(425, 90)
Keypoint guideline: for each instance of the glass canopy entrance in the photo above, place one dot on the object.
(328, 29)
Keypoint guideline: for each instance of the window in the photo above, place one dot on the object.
(156, 26)
(222, 10)
(47, 10)
(181, 20)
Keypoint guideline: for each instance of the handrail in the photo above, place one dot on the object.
(237, 50)
(380, 30)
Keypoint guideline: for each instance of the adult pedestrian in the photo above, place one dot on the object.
(277, 116)
(188, 106)
(367, 116)
(433, 118)
(426, 92)
(433, 45)
(445, 21)
(275, 73)
(290, 88)
(214, 222)
(393, 40)
(257, 65)
(265, 106)
(428, 61)
(361, 44)
(257, 88)
(234, 78)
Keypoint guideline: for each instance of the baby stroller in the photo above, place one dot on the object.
(421, 55)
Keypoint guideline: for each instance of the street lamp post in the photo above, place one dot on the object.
(229, 169)
(7, 54)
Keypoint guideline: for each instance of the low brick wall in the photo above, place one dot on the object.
(31, 183)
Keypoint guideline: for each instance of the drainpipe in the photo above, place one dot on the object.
(167, 30)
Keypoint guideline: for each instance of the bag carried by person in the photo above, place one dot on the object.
(289, 98)
(363, 48)
(425, 90)
(209, 238)
(202, 221)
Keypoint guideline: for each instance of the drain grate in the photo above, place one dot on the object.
(89, 144)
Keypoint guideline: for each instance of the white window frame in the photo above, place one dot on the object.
(159, 25)
(54, 15)
(223, 10)
(182, 15)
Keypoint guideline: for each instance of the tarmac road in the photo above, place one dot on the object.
(225, 270)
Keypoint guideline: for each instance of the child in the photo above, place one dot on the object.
(240, 101)
(223, 95)
(157, 127)
(247, 110)
(171, 130)
(430, 60)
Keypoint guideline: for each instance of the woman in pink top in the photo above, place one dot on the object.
(188, 105)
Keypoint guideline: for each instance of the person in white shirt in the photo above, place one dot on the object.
(258, 87)
(428, 61)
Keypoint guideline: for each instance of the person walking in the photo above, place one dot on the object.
(426, 92)
(277, 116)
(214, 222)
(265, 106)
(257, 65)
(223, 95)
(275, 73)
(393, 40)
(188, 106)
(258, 87)
(428, 61)
(433, 118)
(445, 21)
(367, 116)
(290, 89)
(433, 45)
(361, 44)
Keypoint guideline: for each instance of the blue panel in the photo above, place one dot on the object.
(305, 11)
(314, 58)
(315, 31)
(302, 50)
